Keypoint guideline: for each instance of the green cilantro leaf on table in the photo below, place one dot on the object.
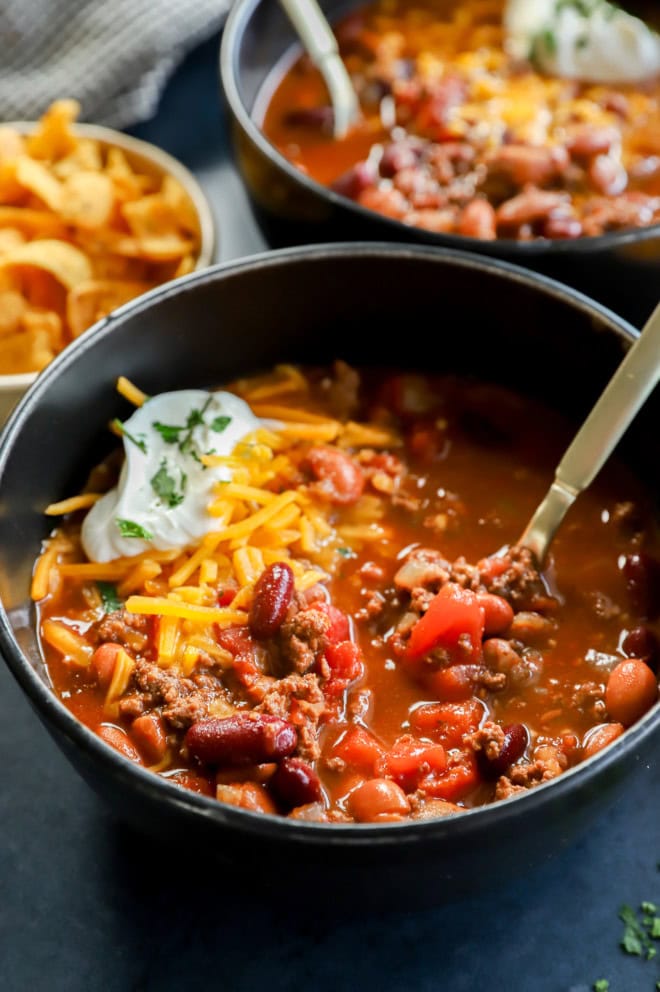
(601, 985)
(639, 934)
(129, 528)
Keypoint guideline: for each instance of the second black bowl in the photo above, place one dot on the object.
(620, 269)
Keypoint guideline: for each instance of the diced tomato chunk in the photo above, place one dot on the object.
(358, 748)
(454, 683)
(236, 640)
(226, 596)
(409, 761)
(452, 614)
(345, 661)
(455, 783)
(339, 626)
(447, 722)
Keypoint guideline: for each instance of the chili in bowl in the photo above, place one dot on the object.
(280, 619)
(461, 142)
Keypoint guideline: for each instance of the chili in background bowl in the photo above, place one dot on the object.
(620, 268)
(322, 302)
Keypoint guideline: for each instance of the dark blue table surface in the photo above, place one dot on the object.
(86, 904)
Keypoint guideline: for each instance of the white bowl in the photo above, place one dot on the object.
(153, 161)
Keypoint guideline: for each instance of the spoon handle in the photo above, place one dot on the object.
(623, 396)
(321, 45)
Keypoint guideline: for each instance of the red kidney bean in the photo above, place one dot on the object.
(340, 480)
(397, 156)
(498, 614)
(631, 690)
(642, 575)
(587, 140)
(271, 600)
(526, 164)
(355, 180)
(515, 741)
(531, 205)
(246, 738)
(295, 783)
(641, 642)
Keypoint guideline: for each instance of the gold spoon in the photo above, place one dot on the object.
(617, 406)
(321, 45)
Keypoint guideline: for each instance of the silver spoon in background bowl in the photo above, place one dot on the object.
(615, 409)
(320, 43)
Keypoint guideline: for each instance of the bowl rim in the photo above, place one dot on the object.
(231, 41)
(121, 770)
(208, 235)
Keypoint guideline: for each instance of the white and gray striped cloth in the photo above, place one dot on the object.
(114, 56)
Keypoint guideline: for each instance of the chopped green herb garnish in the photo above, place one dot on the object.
(110, 599)
(169, 434)
(344, 552)
(601, 985)
(582, 41)
(138, 442)
(165, 487)
(129, 528)
(549, 41)
(638, 935)
(220, 423)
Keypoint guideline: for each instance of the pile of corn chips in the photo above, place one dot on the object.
(83, 229)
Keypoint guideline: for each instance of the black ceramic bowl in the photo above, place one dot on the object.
(621, 269)
(390, 305)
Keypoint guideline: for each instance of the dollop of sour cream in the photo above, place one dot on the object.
(162, 497)
(590, 40)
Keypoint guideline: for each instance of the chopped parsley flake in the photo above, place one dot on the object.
(109, 598)
(165, 487)
(172, 433)
(344, 552)
(129, 528)
(220, 423)
(139, 442)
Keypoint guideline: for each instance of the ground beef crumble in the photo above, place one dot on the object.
(298, 698)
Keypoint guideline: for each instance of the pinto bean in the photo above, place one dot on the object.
(531, 628)
(526, 164)
(631, 690)
(478, 221)
(531, 205)
(599, 737)
(641, 642)
(117, 738)
(516, 739)
(586, 140)
(148, 733)
(246, 795)
(607, 175)
(246, 738)
(103, 662)
(378, 800)
(340, 480)
(498, 614)
(295, 783)
(272, 597)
